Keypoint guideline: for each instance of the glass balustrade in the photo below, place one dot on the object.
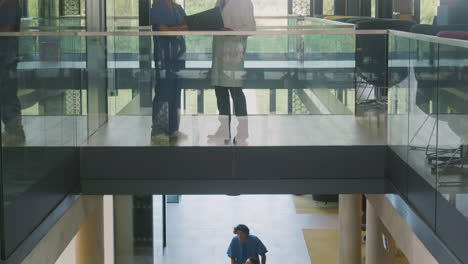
(42, 124)
(291, 86)
(295, 83)
(427, 118)
(288, 80)
(68, 89)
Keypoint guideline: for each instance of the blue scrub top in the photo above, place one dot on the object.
(162, 14)
(168, 51)
(241, 252)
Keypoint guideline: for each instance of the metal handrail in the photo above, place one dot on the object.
(431, 39)
(196, 33)
(332, 22)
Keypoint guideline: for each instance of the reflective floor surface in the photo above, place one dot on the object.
(274, 130)
(200, 227)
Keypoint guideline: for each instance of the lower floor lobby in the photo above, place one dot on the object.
(294, 228)
(200, 227)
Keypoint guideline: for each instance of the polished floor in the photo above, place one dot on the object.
(271, 130)
(264, 130)
(200, 227)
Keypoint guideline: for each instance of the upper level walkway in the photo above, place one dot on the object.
(140, 102)
(316, 108)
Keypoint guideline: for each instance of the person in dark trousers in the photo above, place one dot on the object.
(245, 247)
(169, 53)
(228, 71)
(10, 110)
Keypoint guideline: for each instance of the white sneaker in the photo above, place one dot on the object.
(222, 134)
(242, 131)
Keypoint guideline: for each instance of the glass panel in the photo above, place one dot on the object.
(41, 98)
(122, 13)
(453, 127)
(270, 7)
(452, 196)
(262, 7)
(324, 22)
(371, 69)
(53, 15)
(267, 23)
(285, 79)
(194, 6)
(98, 78)
(329, 63)
(398, 93)
(423, 127)
(423, 107)
(436, 176)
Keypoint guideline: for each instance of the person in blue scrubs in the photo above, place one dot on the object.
(169, 59)
(245, 246)
(10, 19)
(252, 261)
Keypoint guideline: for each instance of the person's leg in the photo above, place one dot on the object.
(11, 106)
(174, 104)
(161, 108)
(222, 99)
(223, 133)
(10, 103)
(11, 113)
(240, 108)
(160, 115)
(238, 98)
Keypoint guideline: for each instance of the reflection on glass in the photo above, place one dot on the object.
(371, 70)
(287, 83)
(423, 110)
(284, 86)
(397, 138)
(40, 103)
(53, 15)
(13, 133)
(453, 126)
(40, 99)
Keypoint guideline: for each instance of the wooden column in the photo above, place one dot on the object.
(90, 238)
(123, 229)
(375, 252)
(350, 222)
